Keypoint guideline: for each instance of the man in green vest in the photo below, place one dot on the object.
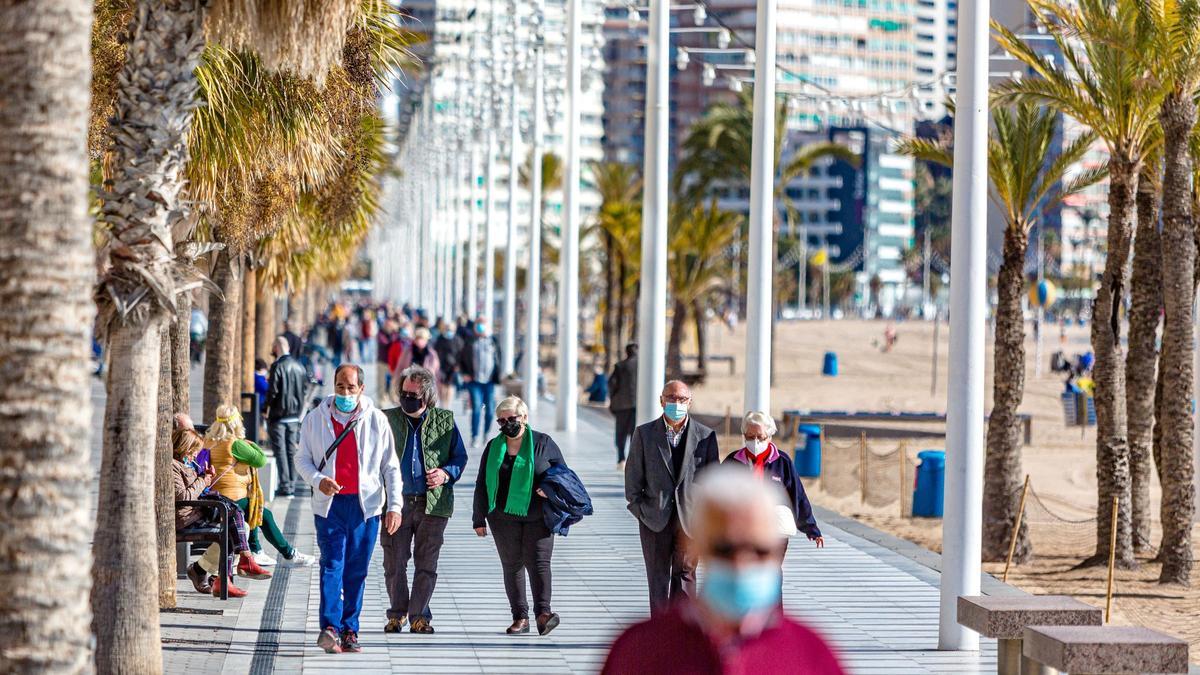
(432, 457)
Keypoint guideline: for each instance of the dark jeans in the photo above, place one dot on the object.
(524, 547)
(285, 439)
(420, 537)
(269, 529)
(670, 569)
(626, 423)
(482, 407)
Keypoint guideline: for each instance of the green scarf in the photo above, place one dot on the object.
(520, 487)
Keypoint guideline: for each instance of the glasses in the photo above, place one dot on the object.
(760, 437)
(729, 551)
(677, 399)
(505, 420)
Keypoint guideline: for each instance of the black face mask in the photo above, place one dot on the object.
(410, 404)
(512, 428)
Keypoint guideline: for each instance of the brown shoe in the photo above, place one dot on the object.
(547, 623)
(518, 627)
(394, 625)
(420, 625)
(199, 579)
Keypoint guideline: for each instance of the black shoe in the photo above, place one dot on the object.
(547, 623)
(199, 579)
(350, 642)
(420, 625)
(518, 627)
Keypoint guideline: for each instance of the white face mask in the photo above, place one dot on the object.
(758, 447)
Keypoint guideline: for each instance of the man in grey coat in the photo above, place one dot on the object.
(664, 457)
(622, 399)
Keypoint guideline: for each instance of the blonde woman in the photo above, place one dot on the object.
(508, 499)
(238, 481)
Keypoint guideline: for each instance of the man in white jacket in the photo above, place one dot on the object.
(351, 484)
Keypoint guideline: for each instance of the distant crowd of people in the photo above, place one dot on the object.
(381, 472)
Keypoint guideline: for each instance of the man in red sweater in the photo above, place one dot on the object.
(736, 624)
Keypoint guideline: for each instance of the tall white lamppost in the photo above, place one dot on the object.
(762, 211)
(652, 304)
(491, 119)
(476, 117)
(508, 353)
(961, 527)
(533, 276)
(568, 312)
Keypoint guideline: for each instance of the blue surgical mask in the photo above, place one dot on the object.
(346, 404)
(675, 411)
(736, 593)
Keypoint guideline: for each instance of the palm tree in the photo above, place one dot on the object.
(44, 339)
(1101, 85)
(1169, 48)
(619, 186)
(695, 266)
(1024, 180)
(140, 204)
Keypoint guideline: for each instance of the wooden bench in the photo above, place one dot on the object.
(1103, 649)
(792, 418)
(1005, 619)
(724, 358)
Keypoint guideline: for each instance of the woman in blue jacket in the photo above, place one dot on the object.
(762, 457)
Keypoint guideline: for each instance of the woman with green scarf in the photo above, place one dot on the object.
(507, 499)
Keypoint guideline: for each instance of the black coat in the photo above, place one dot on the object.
(567, 501)
(286, 383)
(545, 455)
(466, 360)
(652, 490)
(781, 470)
(622, 386)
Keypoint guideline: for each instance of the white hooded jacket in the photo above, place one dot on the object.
(378, 466)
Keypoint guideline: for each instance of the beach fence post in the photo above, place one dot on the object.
(903, 458)
(728, 421)
(824, 452)
(1112, 558)
(1012, 544)
(862, 466)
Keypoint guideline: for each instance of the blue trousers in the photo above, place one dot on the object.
(483, 407)
(346, 540)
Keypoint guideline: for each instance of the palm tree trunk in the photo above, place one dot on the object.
(264, 322)
(249, 316)
(610, 295)
(1112, 446)
(1141, 362)
(1002, 470)
(45, 338)
(674, 357)
(222, 336)
(164, 488)
(620, 309)
(156, 95)
(1177, 117)
(701, 338)
(236, 316)
(181, 364)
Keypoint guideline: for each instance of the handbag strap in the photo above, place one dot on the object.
(336, 442)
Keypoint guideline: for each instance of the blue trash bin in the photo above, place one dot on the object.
(830, 366)
(931, 484)
(808, 451)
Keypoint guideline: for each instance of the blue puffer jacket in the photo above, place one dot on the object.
(567, 502)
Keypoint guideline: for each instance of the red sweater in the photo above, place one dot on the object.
(345, 461)
(674, 643)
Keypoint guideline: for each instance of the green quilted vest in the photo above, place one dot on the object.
(435, 451)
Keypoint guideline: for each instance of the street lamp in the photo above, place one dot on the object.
(533, 282)
(568, 339)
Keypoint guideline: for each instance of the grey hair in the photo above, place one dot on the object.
(423, 377)
(731, 489)
(356, 368)
(281, 344)
(512, 404)
(762, 418)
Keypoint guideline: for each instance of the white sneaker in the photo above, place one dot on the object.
(299, 559)
(263, 559)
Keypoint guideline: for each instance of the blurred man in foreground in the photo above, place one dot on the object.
(736, 624)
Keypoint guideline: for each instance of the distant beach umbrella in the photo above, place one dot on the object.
(1042, 294)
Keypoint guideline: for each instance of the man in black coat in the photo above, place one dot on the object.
(287, 381)
(622, 399)
(664, 457)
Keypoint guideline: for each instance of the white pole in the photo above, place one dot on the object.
(508, 354)
(568, 329)
(652, 303)
(961, 535)
(533, 276)
(461, 222)
(491, 119)
(473, 239)
(759, 267)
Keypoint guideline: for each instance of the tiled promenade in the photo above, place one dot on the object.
(878, 607)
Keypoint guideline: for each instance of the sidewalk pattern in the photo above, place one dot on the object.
(880, 610)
